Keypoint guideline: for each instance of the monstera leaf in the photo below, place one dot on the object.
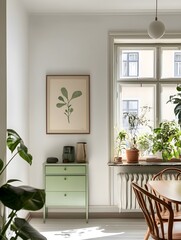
(22, 197)
(14, 141)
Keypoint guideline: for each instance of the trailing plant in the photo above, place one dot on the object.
(19, 197)
(167, 140)
(66, 101)
(176, 99)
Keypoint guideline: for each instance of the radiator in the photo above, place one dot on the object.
(126, 196)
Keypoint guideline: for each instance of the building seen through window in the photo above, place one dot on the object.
(177, 64)
(130, 64)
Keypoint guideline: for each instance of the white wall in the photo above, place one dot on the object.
(68, 45)
(72, 44)
(17, 82)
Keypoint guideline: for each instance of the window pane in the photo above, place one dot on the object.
(132, 98)
(133, 105)
(167, 109)
(133, 56)
(171, 59)
(136, 63)
(178, 56)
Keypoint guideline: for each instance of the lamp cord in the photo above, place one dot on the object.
(156, 10)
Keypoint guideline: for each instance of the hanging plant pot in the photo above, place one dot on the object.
(132, 155)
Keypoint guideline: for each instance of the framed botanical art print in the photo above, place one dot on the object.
(67, 104)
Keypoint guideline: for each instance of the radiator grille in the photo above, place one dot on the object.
(126, 196)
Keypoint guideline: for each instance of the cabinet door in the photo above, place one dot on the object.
(65, 198)
(65, 183)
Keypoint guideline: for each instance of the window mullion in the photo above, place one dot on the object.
(158, 69)
(158, 72)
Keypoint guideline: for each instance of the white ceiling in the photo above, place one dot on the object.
(102, 6)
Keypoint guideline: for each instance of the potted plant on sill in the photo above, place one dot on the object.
(167, 140)
(19, 197)
(134, 122)
(120, 145)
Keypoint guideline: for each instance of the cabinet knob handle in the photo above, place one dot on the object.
(65, 178)
(65, 169)
(65, 195)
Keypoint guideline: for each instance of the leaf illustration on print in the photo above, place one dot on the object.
(65, 101)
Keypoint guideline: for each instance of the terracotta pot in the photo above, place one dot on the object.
(132, 155)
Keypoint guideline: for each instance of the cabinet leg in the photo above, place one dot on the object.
(87, 215)
(45, 213)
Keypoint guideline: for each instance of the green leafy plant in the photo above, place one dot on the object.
(120, 142)
(167, 140)
(19, 197)
(176, 99)
(66, 101)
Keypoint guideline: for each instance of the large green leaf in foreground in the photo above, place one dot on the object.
(22, 197)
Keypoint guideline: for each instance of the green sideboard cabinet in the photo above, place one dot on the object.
(66, 185)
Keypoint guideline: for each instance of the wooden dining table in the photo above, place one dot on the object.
(168, 189)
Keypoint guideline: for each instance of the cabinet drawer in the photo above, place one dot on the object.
(65, 183)
(65, 198)
(65, 170)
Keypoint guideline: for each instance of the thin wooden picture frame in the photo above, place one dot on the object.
(68, 104)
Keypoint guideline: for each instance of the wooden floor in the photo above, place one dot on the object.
(100, 229)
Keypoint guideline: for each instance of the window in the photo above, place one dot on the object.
(177, 64)
(130, 64)
(145, 75)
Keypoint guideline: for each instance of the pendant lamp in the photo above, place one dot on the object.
(156, 28)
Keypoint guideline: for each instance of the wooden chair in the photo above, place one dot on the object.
(176, 174)
(150, 205)
(170, 170)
